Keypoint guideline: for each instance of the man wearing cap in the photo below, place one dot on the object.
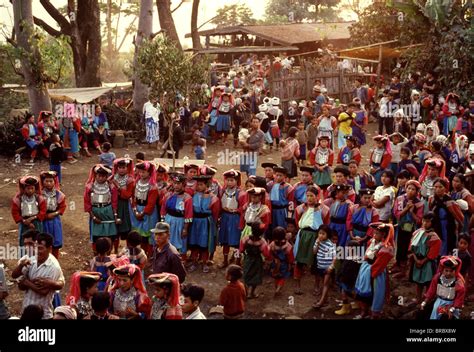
(166, 258)
(252, 147)
(342, 173)
(269, 175)
(300, 187)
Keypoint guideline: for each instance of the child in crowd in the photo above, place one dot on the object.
(464, 242)
(233, 296)
(302, 138)
(384, 196)
(56, 155)
(133, 250)
(102, 261)
(107, 157)
(166, 299)
(83, 287)
(193, 295)
(281, 252)
(100, 305)
(244, 133)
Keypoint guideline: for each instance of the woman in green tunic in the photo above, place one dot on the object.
(254, 248)
(424, 249)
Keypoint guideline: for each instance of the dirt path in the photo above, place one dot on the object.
(77, 252)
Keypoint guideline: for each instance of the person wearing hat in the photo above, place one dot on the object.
(232, 201)
(226, 103)
(55, 208)
(448, 215)
(101, 202)
(191, 170)
(203, 231)
(447, 290)
(342, 175)
(327, 124)
(177, 211)
(380, 157)
(349, 152)
(424, 247)
(432, 131)
(340, 209)
(371, 284)
(300, 188)
(124, 180)
(420, 150)
(214, 185)
(128, 297)
(83, 287)
(269, 174)
(362, 215)
(166, 298)
(319, 100)
(408, 210)
(309, 216)
(33, 138)
(143, 204)
(281, 197)
(434, 168)
(358, 180)
(255, 210)
(322, 158)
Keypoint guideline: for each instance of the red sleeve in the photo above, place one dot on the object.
(77, 125)
(357, 157)
(42, 208)
(151, 201)
(243, 241)
(163, 205)
(382, 259)
(298, 213)
(434, 244)
(331, 158)
(326, 215)
(333, 122)
(386, 159)
(460, 294)
(431, 293)
(290, 193)
(114, 193)
(352, 196)
(188, 209)
(127, 192)
(242, 217)
(242, 200)
(445, 110)
(456, 211)
(375, 218)
(215, 207)
(266, 219)
(223, 297)
(62, 204)
(16, 211)
(419, 212)
(312, 156)
(265, 250)
(87, 199)
(470, 201)
(349, 216)
(396, 207)
(339, 156)
(25, 132)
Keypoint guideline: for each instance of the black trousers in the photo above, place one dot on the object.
(388, 123)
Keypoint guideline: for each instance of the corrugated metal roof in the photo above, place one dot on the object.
(289, 34)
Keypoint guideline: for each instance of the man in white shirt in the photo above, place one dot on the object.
(193, 295)
(42, 276)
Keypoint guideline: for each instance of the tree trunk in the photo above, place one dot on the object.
(167, 22)
(194, 29)
(108, 21)
(31, 62)
(145, 28)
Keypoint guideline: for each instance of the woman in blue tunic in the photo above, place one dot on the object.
(301, 187)
(362, 216)
(223, 119)
(232, 202)
(340, 210)
(203, 232)
(177, 211)
(358, 125)
(213, 105)
(371, 284)
(281, 197)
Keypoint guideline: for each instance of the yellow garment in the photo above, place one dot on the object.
(345, 123)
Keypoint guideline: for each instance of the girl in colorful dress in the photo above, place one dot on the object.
(282, 198)
(309, 217)
(83, 287)
(102, 261)
(101, 201)
(55, 208)
(281, 252)
(408, 210)
(397, 142)
(214, 186)
(253, 247)
(371, 285)
(203, 232)
(384, 196)
(363, 214)
(447, 289)
(255, 210)
(28, 206)
(232, 202)
(322, 158)
(166, 298)
(190, 170)
(144, 214)
(213, 106)
(128, 297)
(124, 181)
(424, 249)
(327, 124)
(340, 210)
(447, 213)
(433, 169)
(380, 157)
(350, 151)
(177, 211)
(162, 184)
(33, 137)
(460, 192)
(226, 103)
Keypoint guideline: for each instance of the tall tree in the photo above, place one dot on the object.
(31, 62)
(234, 15)
(166, 21)
(194, 25)
(145, 27)
(284, 11)
(83, 29)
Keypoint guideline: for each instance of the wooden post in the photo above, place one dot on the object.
(379, 71)
(309, 86)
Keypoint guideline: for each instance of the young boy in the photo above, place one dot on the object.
(312, 132)
(107, 157)
(464, 242)
(302, 138)
(100, 305)
(56, 152)
(233, 296)
(193, 295)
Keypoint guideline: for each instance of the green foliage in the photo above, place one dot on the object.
(284, 11)
(7, 62)
(166, 69)
(234, 15)
(118, 70)
(56, 55)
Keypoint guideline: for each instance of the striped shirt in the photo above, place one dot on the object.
(50, 269)
(326, 251)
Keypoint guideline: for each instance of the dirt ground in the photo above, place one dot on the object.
(77, 252)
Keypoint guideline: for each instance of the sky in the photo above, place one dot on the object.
(182, 16)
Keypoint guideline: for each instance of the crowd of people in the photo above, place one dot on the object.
(320, 211)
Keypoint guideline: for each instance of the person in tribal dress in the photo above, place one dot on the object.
(322, 158)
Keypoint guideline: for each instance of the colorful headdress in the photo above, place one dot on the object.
(68, 312)
(413, 183)
(133, 272)
(75, 288)
(189, 166)
(147, 166)
(29, 180)
(98, 169)
(450, 261)
(388, 229)
(233, 174)
(178, 177)
(207, 170)
(434, 162)
(123, 162)
(420, 138)
(170, 279)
